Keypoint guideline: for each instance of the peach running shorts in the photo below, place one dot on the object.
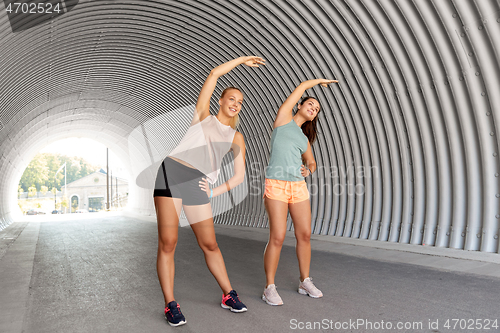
(286, 191)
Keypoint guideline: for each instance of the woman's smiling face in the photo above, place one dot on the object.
(309, 108)
(231, 102)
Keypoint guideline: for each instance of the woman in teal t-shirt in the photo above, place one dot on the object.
(286, 189)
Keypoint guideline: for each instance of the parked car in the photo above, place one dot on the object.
(81, 211)
(57, 212)
(35, 211)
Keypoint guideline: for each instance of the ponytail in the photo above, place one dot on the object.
(310, 128)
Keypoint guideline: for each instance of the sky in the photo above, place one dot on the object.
(90, 150)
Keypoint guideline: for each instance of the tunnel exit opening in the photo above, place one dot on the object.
(74, 175)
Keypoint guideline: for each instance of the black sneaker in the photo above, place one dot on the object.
(174, 315)
(232, 301)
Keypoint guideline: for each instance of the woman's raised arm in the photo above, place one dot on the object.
(203, 102)
(285, 111)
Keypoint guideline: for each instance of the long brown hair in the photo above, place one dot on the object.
(310, 127)
(235, 121)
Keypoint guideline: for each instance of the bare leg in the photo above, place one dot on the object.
(202, 223)
(301, 217)
(277, 212)
(167, 213)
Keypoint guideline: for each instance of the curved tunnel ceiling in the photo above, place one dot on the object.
(408, 145)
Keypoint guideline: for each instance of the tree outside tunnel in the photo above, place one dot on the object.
(39, 174)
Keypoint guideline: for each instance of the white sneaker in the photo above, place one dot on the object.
(307, 287)
(271, 296)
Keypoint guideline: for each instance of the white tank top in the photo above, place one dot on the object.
(204, 145)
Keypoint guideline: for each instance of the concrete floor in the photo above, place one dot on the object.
(97, 273)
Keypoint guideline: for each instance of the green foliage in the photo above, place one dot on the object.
(31, 191)
(27, 204)
(42, 169)
(36, 174)
(64, 202)
(44, 189)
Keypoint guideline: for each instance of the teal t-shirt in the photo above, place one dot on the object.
(288, 143)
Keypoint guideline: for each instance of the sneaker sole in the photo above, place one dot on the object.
(178, 324)
(305, 292)
(224, 306)
(264, 298)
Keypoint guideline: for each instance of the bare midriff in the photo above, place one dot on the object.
(182, 162)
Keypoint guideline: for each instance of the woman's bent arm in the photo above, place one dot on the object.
(239, 149)
(309, 162)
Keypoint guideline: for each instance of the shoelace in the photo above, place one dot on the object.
(311, 285)
(175, 310)
(274, 292)
(234, 297)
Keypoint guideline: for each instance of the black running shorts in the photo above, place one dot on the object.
(175, 180)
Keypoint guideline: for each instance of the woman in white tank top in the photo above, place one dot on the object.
(182, 182)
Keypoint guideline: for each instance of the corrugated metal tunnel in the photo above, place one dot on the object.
(408, 145)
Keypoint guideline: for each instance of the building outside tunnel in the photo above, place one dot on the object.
(90, 193)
